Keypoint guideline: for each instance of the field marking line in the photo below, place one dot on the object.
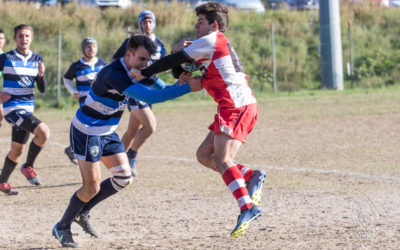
(277, 168)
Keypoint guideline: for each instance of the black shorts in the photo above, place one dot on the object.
(23, 123)
(137, 104)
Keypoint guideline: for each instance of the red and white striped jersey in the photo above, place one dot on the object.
(225, 79)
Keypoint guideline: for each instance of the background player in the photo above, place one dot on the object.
(142, 122)
(225, 80)
(84, 71)
(21, 69)
(93, 136)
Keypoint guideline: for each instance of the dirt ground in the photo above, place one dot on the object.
(333, 164)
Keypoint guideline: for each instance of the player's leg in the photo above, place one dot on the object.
(205, 152)
(133, 126)
(115, 159)
(41, 135)
(18, 141)
(226, 148)
(88, 150)
(148, 120)
(91, 176)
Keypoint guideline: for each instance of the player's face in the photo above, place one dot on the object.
(147, 26)
(137, 59)
(202, 27)
(23, 38)
(2, 40)
(90, 50)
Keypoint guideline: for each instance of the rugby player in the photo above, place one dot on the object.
(84, 71)
(225, 80)
(93, 137)
(21, 69)
(142, 121)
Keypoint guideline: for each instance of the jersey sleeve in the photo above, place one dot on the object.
(144, 93)
(200, 49)
(2, 61)
(70, 74)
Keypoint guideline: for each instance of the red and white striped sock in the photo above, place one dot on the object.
(233, 178)
(246, 172)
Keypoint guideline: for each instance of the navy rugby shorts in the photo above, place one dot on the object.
(92, 147)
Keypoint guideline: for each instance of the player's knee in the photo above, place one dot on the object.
(42, 132)
(201, 155)
(122, 176)
(90, 190)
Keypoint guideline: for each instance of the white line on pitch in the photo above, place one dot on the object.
(290, 169)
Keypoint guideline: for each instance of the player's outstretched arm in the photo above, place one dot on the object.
(144, 93)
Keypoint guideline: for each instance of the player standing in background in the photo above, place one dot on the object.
(21, 68)
(93, 136)
(225, 80)
(84, 71)
(142, 122)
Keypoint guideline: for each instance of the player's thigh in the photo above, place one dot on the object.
(115, 160)
(90, 171)
(145, 116)
(134, 123)
(42, 130)
(225, 147)
(207, 146)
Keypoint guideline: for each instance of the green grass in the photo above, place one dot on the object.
(376, 42)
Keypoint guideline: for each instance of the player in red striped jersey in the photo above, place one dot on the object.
(224, 79)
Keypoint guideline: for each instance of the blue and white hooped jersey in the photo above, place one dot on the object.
(105, 102)
(20, 73)
(84, 73)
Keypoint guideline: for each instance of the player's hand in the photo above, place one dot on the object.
(42, 68)
(76, 95)
(181, 45)
(184, 77)
(195, 83)
(4, 97)
(135, 73)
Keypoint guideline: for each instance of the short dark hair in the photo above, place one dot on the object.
(215, 12)
(1, 31)
(22, 27)
(135, 41)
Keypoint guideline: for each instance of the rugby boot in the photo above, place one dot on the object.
(8, 189)
(132, 163)
(70, 154)
(255, 184)
(84, 222)
(30, 175)
(64, 236)
(245, 217)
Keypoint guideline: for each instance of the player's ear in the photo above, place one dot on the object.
(215, 26)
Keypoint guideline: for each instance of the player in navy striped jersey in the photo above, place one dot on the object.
(84, 71)
(142, 122)
(21, 69)
(93, 136)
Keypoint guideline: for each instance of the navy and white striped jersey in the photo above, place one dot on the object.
(84, 74)
(108, 98)
(20, 73)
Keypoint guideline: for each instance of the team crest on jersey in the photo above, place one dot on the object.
(24, 82)
(94, 150)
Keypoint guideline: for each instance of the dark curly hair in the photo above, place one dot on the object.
(215, 12)
(136, 40)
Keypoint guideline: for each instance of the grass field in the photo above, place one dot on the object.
(333, 165)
